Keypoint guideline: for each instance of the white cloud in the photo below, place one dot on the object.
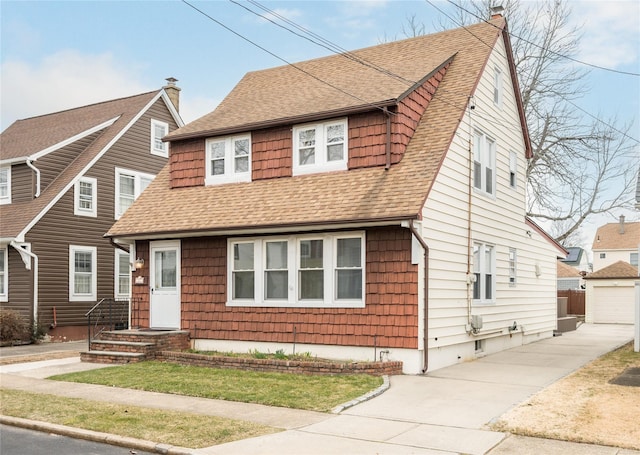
(64, 80)
(611, 31)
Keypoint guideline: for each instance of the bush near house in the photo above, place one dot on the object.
(13, 327)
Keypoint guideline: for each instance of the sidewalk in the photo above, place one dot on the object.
(443, 412)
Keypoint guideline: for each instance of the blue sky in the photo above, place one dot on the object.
(56, 55)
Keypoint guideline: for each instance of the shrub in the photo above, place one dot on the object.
(13, 327)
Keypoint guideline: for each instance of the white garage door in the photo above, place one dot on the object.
(613, 305)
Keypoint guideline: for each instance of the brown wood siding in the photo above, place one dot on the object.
(54, 163)
(410, 111)
(272, 153)
(389, 318)
(59, 228)
(367, 139)
(187, 163)
(22, 183)
(20, 286)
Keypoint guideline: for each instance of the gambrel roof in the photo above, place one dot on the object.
(32, 138)
(286, 96)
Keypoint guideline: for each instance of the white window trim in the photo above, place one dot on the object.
(77, 210)
(90, 297)
(7, 199)
(136, 186)
(486, 147)
(164, 152)
(4, 251)
(116, 274)
(229, 176)
(293, 245)
(513, 271)
(497, 87)
(321, 164)
(483, 269)
(513, 170)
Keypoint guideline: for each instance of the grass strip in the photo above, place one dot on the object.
(309, 392)
(167, 427)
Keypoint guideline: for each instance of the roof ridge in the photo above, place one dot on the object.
(86, 106)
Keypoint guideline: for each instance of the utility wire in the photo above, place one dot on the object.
(575, 60)
(284, 60)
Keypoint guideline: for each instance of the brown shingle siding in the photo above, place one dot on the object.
(272, 153)
(187, 163)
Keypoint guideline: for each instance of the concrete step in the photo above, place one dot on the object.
(114, 357)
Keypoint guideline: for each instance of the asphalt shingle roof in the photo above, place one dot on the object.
(620, 269)
(32, 135)
(608, 237)
(282, 94)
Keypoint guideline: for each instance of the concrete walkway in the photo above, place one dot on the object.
(444, 412)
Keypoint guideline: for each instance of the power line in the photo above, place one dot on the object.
(283, 59)
(575, 60)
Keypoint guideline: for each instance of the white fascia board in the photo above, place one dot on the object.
(21, 159)
(72, 139)
(73, 181)
(174, 113)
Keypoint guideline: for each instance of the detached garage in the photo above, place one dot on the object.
(611, 294)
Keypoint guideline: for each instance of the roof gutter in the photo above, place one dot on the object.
(37, 171)
(26, 257)
(425, 339)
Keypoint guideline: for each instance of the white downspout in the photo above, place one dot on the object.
(25, 255)
(37, 171)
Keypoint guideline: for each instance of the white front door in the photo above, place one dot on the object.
(164, 283)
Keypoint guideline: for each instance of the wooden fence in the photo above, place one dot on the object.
(575, 304)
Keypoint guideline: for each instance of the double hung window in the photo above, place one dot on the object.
(82, 273)
(320, 147)
(158, 131)
(122, 274)
(228, 159)
(484, 271)
(129, 185)
(86, 197)
(484, 163)
(313, 271)
(5, 185)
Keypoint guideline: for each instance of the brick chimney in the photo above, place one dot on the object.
(173, 91)
(497, 11)
(621, 230)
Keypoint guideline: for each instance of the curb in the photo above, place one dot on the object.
(96, 436)
(366, 397)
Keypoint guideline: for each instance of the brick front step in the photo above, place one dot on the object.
(114, 357)
(122, 346)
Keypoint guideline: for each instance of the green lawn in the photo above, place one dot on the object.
(310, 392)
(174, 428)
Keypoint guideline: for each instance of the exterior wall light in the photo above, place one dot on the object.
(139, 263)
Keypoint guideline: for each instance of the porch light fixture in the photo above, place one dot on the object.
(139, 263)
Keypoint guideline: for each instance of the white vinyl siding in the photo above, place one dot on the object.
(122, 272)
(228, 159)
(324, 270)
(320, 147)
(158, 131)
(82, 273)
(513, 170)
(5, 185)
(86, 197)
(4, 274)
(513, 266)
(129, 186)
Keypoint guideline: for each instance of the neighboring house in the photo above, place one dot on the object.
(568, 277)
(64, 179)
(611, 294)
(615, 242)
(638, 192)
(364, 204)
(577, 259)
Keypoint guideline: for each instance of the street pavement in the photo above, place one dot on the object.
(444, 412)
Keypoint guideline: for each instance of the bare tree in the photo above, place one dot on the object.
(580, 166)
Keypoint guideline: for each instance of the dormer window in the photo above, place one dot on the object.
(228, 159)
(158, 131)
(320, 147)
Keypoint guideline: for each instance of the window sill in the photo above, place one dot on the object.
(297, 304)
